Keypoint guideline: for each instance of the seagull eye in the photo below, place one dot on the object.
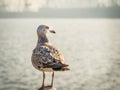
(47, 27)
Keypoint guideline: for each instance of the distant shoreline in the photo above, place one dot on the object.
(66, 13)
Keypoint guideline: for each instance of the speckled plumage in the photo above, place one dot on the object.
(47, 56)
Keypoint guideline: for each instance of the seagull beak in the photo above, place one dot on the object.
(52, 31)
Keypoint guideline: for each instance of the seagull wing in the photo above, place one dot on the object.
(50, 57)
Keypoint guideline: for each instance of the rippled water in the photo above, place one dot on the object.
(90, 46)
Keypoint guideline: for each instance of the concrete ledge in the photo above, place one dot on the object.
(47, 88)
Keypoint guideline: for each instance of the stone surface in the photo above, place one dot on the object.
(47, 88)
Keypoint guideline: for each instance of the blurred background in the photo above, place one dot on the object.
(88, 35)
(62, 8)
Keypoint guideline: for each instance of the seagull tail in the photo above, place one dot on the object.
(61, 67)
(65, 68)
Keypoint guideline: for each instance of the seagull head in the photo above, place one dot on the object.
(43, 29)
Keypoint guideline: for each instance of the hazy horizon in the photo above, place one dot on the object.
(35, 5)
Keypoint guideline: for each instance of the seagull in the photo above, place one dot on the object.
(45, 56)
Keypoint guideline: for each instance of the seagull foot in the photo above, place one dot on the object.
(47, 88)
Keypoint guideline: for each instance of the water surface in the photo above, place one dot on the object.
(90, 46)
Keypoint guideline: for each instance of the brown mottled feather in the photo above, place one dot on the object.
(47, 56)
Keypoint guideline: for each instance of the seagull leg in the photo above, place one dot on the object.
(43, 79)
(52, 79)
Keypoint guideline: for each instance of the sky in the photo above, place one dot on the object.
(35, 5)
